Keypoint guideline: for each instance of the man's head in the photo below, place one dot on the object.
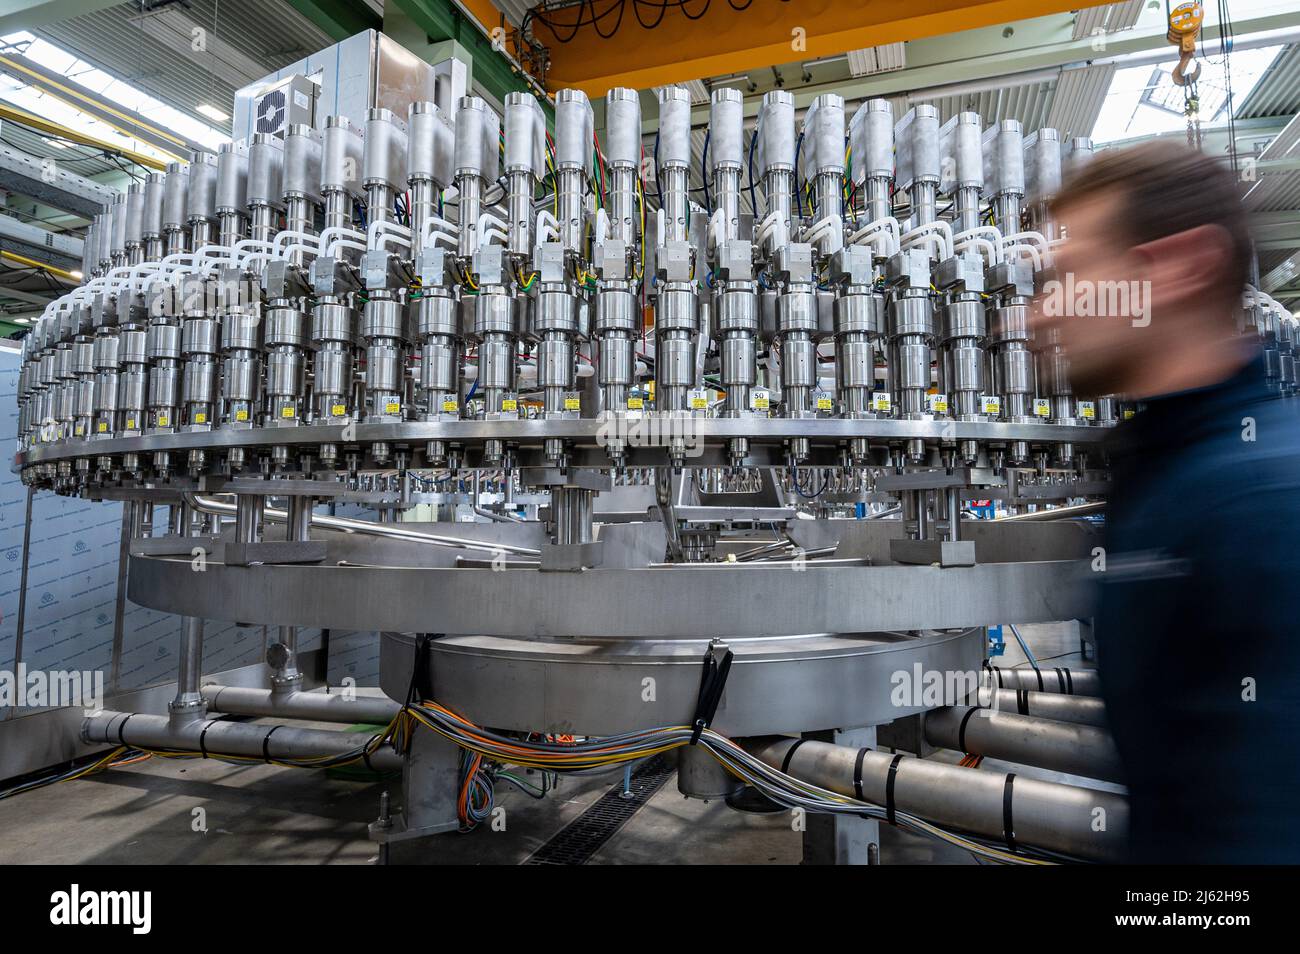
(1167, 222)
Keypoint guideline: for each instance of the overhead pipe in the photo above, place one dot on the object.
(1079, 822)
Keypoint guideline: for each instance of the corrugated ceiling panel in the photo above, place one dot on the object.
(1278, 91)
(1107, 19)
(1078, 99)
(268, 31)
(1275, 193)
(1028, 104)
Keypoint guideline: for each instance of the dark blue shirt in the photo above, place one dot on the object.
(1198, 649)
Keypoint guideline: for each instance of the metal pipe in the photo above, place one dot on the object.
(1059, 513)
(1083, 710)
(1072, 682)
(346, 525)
(311, 706)
(1049, 815)
(217, 737)
(188, 703)
(1059, 746)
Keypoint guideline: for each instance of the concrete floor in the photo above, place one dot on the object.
(154, 812)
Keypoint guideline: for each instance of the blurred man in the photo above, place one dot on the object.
(1196, 629)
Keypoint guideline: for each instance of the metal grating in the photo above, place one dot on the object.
(577, 842)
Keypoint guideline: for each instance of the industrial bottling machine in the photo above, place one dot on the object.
(636, 466)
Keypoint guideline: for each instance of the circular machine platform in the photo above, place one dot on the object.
(601, 687)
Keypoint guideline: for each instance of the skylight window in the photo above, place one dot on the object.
(1143, 100)
(102, 84)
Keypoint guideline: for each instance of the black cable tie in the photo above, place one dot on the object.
(1008, 826)
(203, 736)
(365, 753)
(712, 681)
(961, 730)
(1039, 673)
(1022, 701)
(857, 773)
(997, 673)
(1069, 682)
(266, 744)
(121, 728)
(789, 754)
(890, 815)
(420, 687)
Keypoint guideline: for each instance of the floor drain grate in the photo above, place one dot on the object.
(576, 842)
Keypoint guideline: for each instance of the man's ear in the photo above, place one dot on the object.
(1184, 266)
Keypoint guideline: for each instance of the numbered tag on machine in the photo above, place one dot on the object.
(760, 401)
(823, 403)
(1042, 407)
(697, 399)
(572, 404)
(635, 407)
(991, 404)
(881, 402)
(938, 403)
(509, 409)
(449, 409)
(1087, 410)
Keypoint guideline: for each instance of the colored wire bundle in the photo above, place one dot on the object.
(486, 754)
(589, 754)
(122, 755)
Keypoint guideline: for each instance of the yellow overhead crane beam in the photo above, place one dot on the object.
(724, 39)
(103, 110)
(50, 128)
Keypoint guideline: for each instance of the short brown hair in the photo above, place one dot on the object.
(1168, 188)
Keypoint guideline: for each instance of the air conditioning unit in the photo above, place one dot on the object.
(288, 103)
